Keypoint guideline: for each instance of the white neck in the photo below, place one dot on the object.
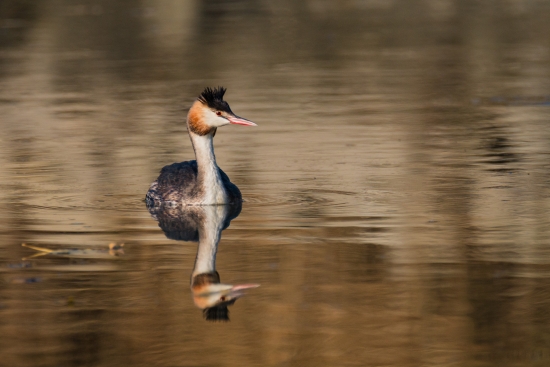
(209, 175)
(210, 231)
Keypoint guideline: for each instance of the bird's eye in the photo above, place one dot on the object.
(218, 113)
(222, 298)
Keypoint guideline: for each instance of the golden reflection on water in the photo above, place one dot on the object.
(396, 190)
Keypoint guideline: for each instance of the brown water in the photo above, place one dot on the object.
(397, 189)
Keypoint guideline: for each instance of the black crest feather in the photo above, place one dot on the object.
(219, 312)
(213, 98)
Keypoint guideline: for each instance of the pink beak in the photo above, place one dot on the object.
(240, 287)
(240, 121)
(237, 290)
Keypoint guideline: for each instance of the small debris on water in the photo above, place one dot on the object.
(113, 250)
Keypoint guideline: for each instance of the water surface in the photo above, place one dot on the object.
(396, 190)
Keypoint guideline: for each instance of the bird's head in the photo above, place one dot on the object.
(213, 297)
(210, 111)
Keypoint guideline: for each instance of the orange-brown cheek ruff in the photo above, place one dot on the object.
(195, 120)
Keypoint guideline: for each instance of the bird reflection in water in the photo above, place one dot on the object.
(203, 224)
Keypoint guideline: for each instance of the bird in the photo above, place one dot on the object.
(200, 181)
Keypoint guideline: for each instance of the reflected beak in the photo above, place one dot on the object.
(241, 287)
(233, 119)
(236, 290)
(210, 295)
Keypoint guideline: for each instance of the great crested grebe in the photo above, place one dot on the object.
(200, 182)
